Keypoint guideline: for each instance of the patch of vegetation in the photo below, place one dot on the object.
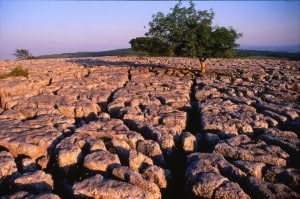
(18, 71)
(23, 54)
(117, 52)
(187, 32)
(238, 53)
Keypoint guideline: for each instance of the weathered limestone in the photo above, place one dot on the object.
(34, 143)
(251, 168)
(189, 142)
(159, 176)
(8, 167)
(286, 140)
(100, 160)
(261, 189)
(230, 190)
(204, 175)
(99, 187)
(287, 176)
(69, 150)
(28, 165)
(24, 194)
(133, 177)
(36, 182)
(152, 150)
(243, 148)
(229, 118)
(143, 127)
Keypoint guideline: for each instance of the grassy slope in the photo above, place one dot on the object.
(122, 52)
(118, 52)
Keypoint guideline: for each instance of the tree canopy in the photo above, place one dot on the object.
(23, 54)
(187, 32)
(153, 46)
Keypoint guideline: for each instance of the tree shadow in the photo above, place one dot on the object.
(89, 62)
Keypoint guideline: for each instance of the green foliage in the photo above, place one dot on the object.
(153, 46)
(188, 32)
(18, 71)
(23, 54)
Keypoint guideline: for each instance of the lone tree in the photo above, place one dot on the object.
(23, 54)
(189, 33)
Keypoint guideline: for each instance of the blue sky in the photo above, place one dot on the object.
(46, 27)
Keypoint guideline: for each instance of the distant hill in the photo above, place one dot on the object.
(117, 52)
(289, 48)
(258, 54)
(239, 53)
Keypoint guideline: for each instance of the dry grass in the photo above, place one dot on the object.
(18, 71)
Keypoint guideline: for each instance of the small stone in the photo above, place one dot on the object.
(104, 116)
(189, 142)
(28, 165)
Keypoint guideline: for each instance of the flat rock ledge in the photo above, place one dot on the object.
(142, 127)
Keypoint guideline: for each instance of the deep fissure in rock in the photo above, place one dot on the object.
(178, 164)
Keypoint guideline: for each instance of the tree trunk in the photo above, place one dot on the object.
(203, 65)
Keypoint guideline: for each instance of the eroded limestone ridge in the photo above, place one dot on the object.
(140, 127)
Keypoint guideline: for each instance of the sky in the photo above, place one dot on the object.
(48, 27)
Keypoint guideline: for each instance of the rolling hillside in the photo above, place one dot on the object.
(239, 53)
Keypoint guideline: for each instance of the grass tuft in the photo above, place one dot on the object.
(18, 71)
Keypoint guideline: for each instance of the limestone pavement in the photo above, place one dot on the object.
(144, 127)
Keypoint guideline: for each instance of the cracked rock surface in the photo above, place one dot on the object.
(142, 127)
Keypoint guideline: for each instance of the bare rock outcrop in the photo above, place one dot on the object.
(243, 148)
(36, 182)
(8, 167)
(99, 187)
(100, 160)
(150, 127)
(208, 173)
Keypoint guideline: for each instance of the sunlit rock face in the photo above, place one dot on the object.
(144, 127)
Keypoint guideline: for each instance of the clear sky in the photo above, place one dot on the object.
(47, 27)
